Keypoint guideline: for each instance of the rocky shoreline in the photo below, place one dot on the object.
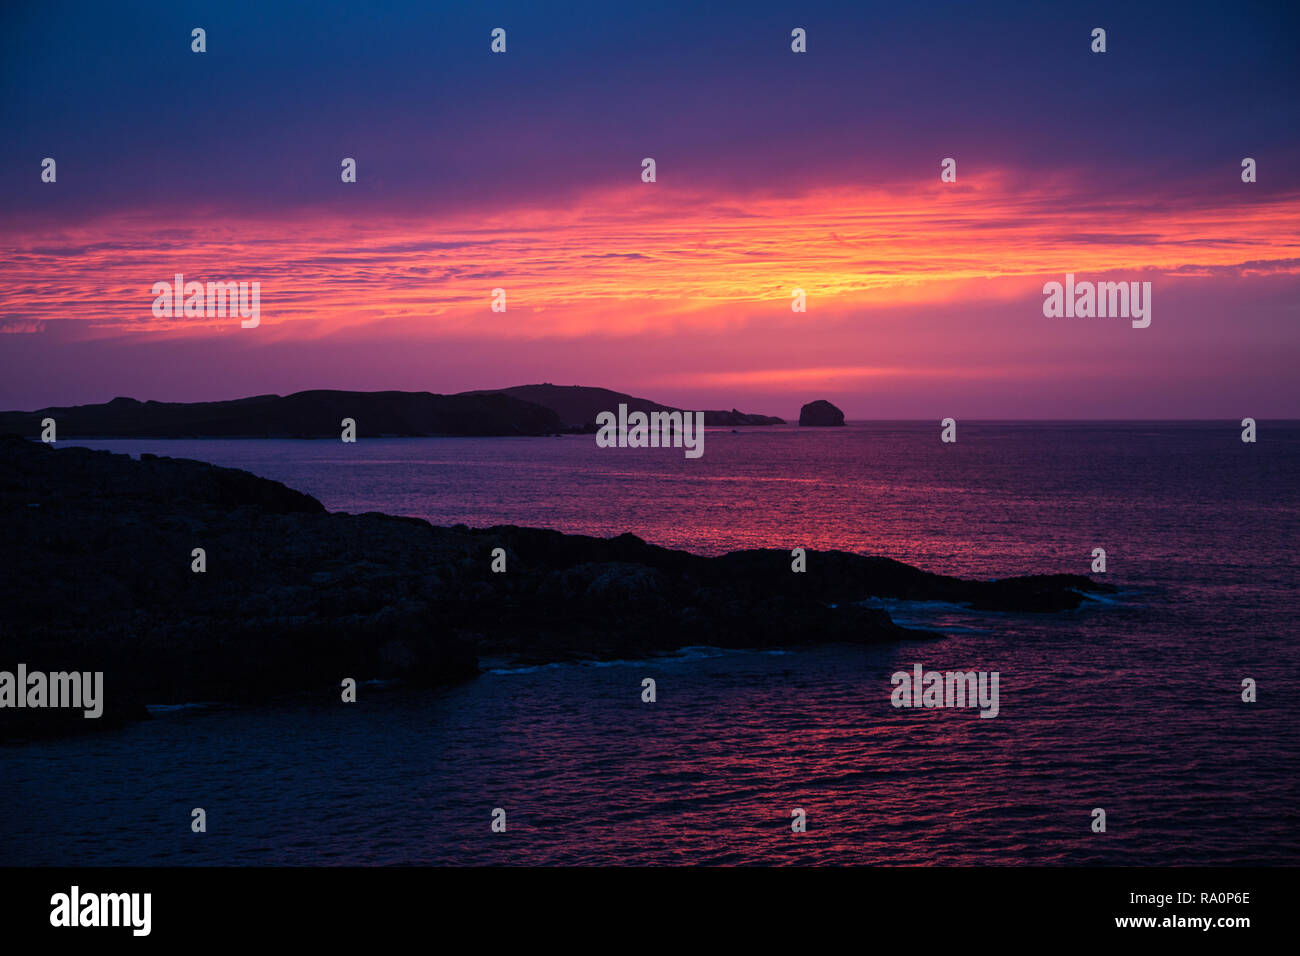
(98, 550)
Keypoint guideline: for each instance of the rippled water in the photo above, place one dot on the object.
(1132, 705)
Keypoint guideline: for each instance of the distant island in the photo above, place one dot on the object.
(295, 599)
(522, 410)
(820, 414)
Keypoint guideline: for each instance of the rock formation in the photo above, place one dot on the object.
(820, 413)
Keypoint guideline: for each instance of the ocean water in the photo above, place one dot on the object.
(1131, 704)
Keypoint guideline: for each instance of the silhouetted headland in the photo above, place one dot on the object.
(97, 549)
(312, 414)
(526, 410)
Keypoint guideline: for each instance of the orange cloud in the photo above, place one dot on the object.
(636, 260)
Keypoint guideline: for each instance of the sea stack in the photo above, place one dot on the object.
(820, 413)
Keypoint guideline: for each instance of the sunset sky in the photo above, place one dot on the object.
(775, 170)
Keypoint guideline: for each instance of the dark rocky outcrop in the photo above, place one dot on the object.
(820, 413)
(312, 414)
(96, 549)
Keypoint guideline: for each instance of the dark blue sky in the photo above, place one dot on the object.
(411, 90)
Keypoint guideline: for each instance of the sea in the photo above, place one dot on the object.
(1131, 705)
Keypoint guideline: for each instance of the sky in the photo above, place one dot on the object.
(775, 171)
